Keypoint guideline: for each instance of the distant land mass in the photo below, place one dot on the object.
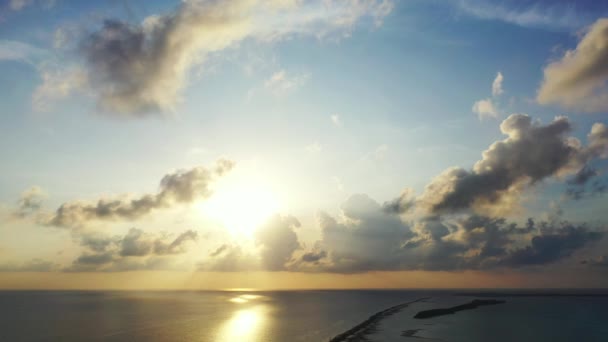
(449, 311)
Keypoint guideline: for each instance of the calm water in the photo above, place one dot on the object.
(288, 316)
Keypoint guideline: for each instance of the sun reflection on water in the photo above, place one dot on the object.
(246, 323)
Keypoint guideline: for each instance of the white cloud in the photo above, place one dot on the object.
(536, 14)
(497, 85)
(485, 109)
(488, 108)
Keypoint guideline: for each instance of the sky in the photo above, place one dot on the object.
(284, 144)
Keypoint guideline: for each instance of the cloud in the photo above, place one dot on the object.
(134, 251)
(34, 265)
(497, 85)
(401, 204)
(230, 258)
(180, 187)
(531, 153)
(578, 80)
(551, 246)
(138, 69)
(601, 261)
(278, 241)
(487, 108)
(282, 83)
(30, 201)
(11, 50)
(17, 5)
(554, 16)
(57, 84)
(369, 239)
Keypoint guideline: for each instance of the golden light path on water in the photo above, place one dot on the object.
(246, 323)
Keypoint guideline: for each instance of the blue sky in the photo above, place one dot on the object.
(312, 112)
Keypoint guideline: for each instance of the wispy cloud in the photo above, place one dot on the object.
(138, 69)
(283, 82)
(550, 15)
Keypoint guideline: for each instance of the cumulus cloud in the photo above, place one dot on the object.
(367, 238)
(180, 187)
(278, 241)
(137, 69)
(274, 245)
(531, 153)
(401, 204)
(578, 80)
(552, 246)
(485, 109)
(135, 250)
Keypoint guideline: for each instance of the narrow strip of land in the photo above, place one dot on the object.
(359, 331)
(449, 311)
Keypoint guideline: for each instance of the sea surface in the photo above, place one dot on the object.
(297, 316)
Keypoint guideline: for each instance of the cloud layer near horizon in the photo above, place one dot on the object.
(180, 187)
(460, 221)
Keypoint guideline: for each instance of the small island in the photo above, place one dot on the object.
(449, 311)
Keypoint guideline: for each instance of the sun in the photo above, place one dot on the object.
(241, 206)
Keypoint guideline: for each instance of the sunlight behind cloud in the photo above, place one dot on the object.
(241, 206)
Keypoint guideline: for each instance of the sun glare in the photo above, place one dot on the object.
(241, 207)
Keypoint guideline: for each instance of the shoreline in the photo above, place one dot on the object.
(359, 331)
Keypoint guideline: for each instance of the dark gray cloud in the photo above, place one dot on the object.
(551, 246)
(314, 256)
(134, 251)
(369, 239)
(578, 81)
(137, 69)
(583, 176)
(531, 153)
(180, 187)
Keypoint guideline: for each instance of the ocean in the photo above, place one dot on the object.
(229, 316)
